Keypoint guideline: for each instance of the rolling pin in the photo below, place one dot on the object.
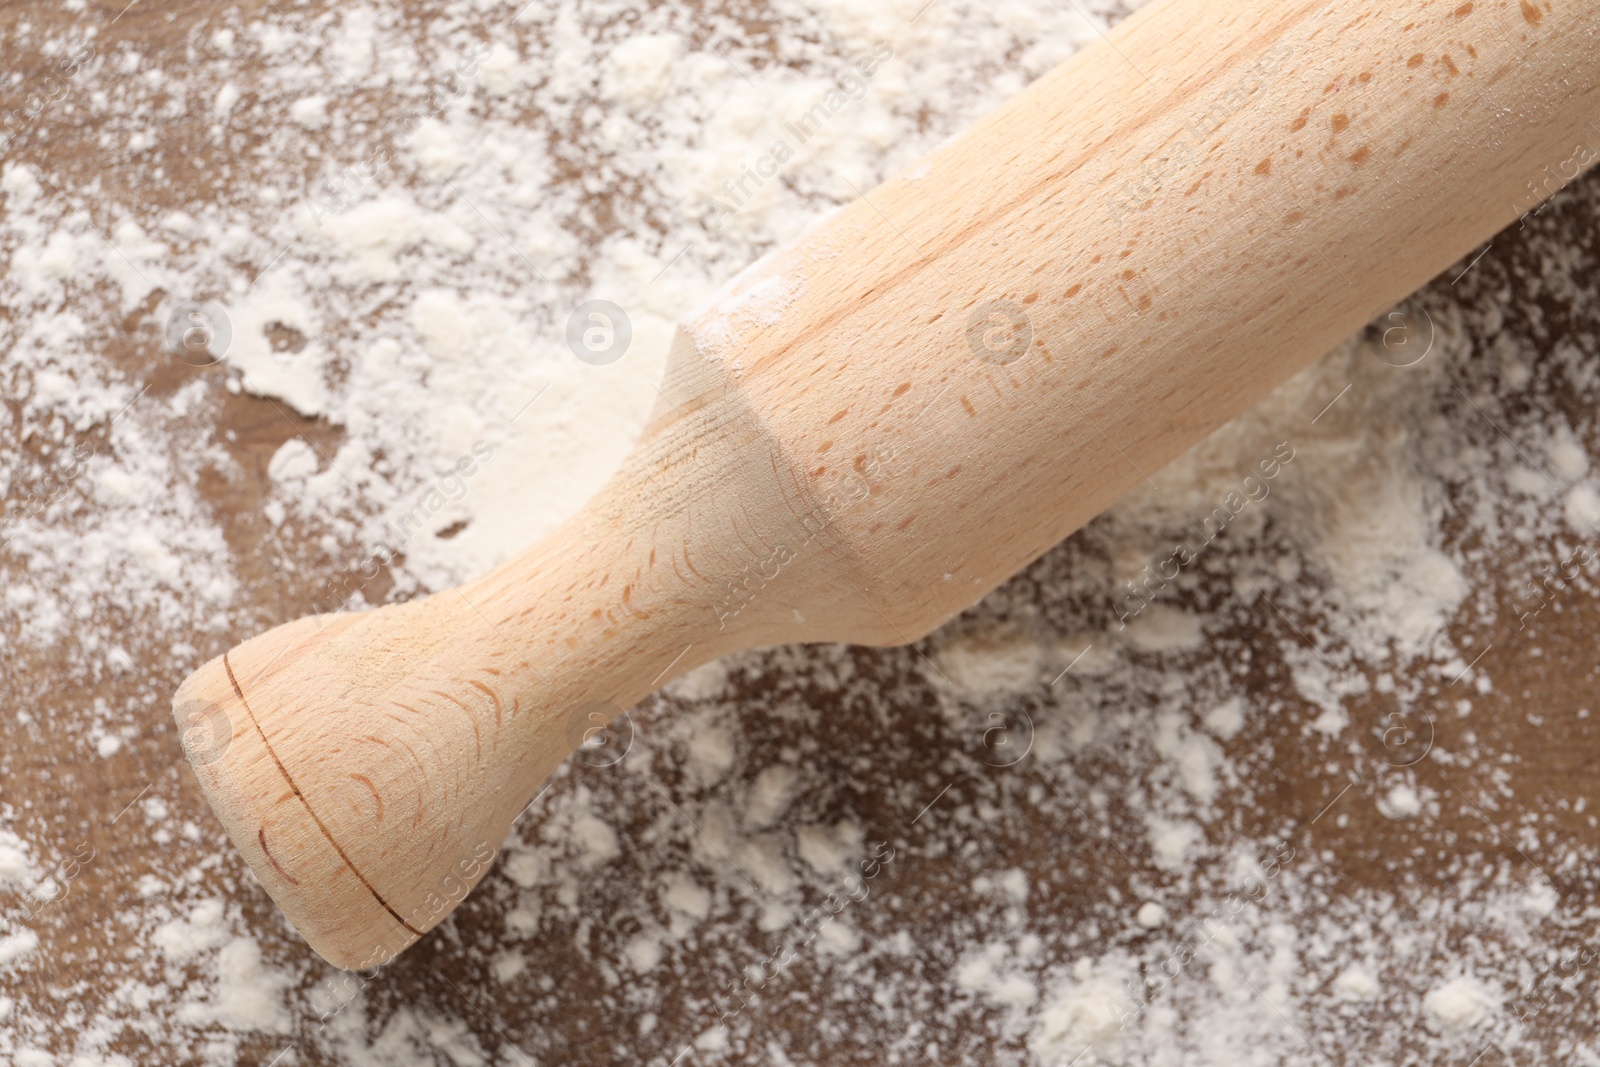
(867, 430)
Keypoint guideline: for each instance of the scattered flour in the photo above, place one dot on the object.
(394, 296)
(15, 948)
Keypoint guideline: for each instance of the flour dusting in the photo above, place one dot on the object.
(302, 338)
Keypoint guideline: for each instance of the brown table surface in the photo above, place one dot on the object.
(1523, 776)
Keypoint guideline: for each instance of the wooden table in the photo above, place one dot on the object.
(1516, 795)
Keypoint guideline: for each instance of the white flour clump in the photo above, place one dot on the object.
(1082, 1013)
(17, 870)
(992, 664)
(1461, 1003)
(1350, 494)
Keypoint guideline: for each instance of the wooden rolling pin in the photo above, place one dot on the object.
(868, 430)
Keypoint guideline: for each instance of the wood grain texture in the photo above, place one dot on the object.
(849, 448)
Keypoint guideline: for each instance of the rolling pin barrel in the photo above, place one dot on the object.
(871, 428)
